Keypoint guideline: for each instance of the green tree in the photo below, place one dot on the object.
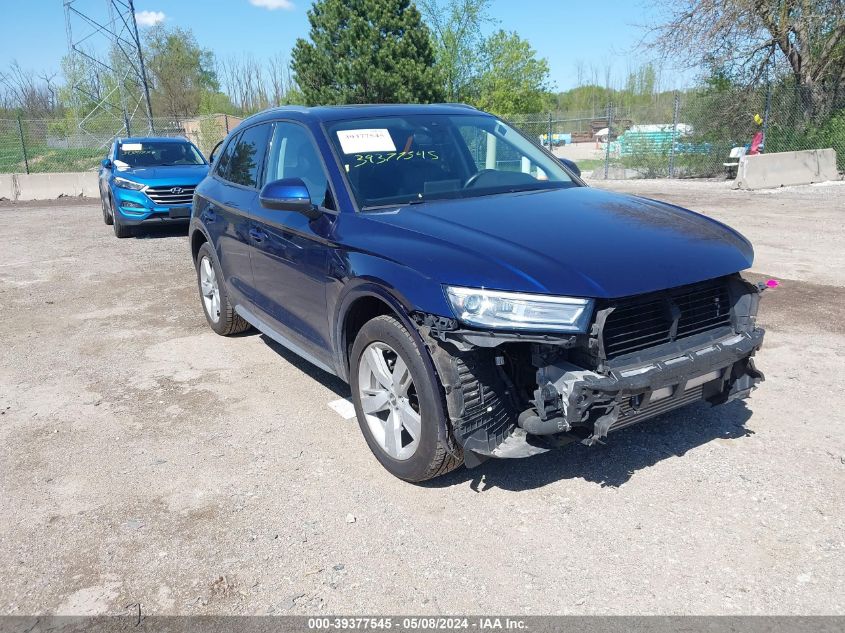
(85, 83)
(180, 71)
(587, 99)
(366, 51)
(215, 103)
(457, 29)
(514, 79)
(100, 91)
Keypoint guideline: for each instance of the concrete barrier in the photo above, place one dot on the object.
(7, 190)
(766, 171)
(48, 186)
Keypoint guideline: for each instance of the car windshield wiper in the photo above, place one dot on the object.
(378, 207)
(516, 189)
(468, 194)
(418, 200)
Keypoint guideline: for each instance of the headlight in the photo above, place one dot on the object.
(128, 184)
(518, 311)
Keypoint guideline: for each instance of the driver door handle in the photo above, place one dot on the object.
(257, 235)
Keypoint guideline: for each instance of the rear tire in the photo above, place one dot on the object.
(387, 372)
(219, 313)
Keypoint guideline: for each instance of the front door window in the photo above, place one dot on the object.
(293, 155)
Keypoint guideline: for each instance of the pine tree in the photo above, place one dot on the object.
(366, 51)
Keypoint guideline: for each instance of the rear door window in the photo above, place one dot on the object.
(244, 165)
(225, 158)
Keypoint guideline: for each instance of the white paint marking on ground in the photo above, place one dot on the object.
(344, 408)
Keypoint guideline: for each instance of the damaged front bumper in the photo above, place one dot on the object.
(517, 394)
(569, 397)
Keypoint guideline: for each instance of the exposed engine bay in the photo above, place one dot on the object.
(514, 395)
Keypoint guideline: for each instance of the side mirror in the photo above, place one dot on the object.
(289, 194)
(570, 164)
(106, 163)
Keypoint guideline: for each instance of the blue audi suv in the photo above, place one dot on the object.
(149, 182)
(480, 300)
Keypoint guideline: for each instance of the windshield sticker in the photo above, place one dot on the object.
(131, 147)
(381, 159)
(360, 141)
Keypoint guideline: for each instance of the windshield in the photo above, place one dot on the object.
(406, 159)
(157, 154)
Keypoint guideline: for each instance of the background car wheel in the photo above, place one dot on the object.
(120, 229)
(219, 313)
(398, 405)
(107, 214)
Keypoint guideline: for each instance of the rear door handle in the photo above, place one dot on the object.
(257, 235)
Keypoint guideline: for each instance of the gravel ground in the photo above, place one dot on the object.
(143, 459)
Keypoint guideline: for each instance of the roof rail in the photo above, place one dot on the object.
(461, 105)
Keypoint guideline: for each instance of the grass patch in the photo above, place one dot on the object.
(44, 159)
(10, 156)
(588, 164)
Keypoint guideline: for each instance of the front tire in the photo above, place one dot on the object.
(219, 313)
(121, 231)
(398, 405)
(107, 213)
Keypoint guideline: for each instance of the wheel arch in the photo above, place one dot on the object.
(367, 301)
(198, 238)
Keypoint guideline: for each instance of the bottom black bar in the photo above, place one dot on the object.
(138, 623)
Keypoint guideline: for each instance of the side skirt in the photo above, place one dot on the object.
(281, 339)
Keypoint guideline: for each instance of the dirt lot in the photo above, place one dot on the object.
(143, 459)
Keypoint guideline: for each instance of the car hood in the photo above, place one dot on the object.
(578, 241)
(162, 176)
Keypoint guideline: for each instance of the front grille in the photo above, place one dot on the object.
(641, 322)
(703, 309)
(166, 196)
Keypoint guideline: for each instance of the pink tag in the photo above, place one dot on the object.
(772, 283)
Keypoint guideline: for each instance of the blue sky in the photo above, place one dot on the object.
(563, 31)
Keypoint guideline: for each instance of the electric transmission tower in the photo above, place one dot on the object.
(108, 79)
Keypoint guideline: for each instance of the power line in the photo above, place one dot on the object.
(103, 36)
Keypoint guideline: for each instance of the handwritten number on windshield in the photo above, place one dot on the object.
(381, 159)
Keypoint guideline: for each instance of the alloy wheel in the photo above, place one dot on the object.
(210, 289)
(389, 400)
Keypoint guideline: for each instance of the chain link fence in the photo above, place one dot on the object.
(62, 145)
(688, 136)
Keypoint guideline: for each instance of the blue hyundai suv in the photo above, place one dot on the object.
(478, 297)
(149, 182)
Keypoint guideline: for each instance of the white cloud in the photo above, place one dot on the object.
(272, 5)
(149, 18)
